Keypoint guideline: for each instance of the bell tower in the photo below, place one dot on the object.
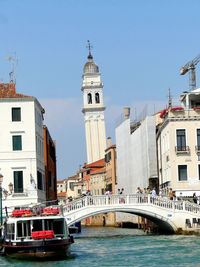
(93, 110)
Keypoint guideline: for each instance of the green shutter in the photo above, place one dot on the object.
(17, 142)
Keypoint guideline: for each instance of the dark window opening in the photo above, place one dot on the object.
(89, 98)
(198, 139)
(18, 182)
(37, 225)
(97, 99)
(181, 140)
(16, 114)
(39, 180)
(107, 157)
(199, 171)
(17, 142)
(182, 172)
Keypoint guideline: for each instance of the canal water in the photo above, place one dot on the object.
(124, 247)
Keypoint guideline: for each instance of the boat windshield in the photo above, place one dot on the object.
(26, 227)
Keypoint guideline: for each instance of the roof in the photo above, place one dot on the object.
(8, 90)
(97, 164)
(90, 67)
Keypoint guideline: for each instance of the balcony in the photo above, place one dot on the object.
(182, 149)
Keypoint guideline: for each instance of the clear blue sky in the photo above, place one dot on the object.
(138, 45)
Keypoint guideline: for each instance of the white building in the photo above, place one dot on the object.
(178, 141)
(21, 147)
(136, 157)
(136, 154)
(93, 110)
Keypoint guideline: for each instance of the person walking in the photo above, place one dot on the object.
(195, 198)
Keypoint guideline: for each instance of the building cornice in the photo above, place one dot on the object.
(92, 86)
(84, 110)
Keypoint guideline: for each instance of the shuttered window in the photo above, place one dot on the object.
(17, 142)
(16, 114)
(18, 182)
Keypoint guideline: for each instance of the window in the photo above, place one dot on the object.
(97, 98)
(107, 157)
(89, 98)
(71, 186)
(16, 114)
(17, 142)
(18, 182)
(181, 140)
(198, 139)
(39, 180)
(182, 172)
(199, 171)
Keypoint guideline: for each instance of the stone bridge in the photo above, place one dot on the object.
(170, 216)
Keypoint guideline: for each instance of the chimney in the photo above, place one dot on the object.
(126, 113)
(7, 89)
(109, 142)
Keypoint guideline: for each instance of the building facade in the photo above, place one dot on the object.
(136, 154)
(21, 147)
(93, 110)
(178, 142)
(136, 157)
(110, 160)
(50, 166)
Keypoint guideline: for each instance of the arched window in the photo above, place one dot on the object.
(89, 98)
(97, 99)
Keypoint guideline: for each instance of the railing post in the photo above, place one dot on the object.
(183, 205)
(173, 205)
(127, 199)
(106, 199)
(149, 198)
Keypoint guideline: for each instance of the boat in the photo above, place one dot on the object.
(36, 233)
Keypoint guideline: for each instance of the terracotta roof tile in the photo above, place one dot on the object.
(98, 163)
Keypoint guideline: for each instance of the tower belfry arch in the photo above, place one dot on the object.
(93, 109)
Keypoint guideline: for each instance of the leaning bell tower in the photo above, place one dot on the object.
(93, 110)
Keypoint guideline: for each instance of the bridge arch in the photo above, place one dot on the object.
(165, 225)
(170, 216)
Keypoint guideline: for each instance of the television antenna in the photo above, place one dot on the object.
(13, 62)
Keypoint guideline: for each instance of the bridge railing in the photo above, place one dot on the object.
(140, 199)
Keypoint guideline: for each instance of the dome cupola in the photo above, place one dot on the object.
(90, 67)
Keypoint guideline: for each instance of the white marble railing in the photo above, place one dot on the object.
(139, 200)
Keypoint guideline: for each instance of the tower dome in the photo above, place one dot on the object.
(90, 67)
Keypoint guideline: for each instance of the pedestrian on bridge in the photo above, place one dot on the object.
(195, 198)
(153, 193)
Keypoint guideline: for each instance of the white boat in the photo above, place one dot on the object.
(36, 233)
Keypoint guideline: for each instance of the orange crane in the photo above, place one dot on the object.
(190, 66)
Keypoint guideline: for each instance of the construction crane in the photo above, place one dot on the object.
(190, 66)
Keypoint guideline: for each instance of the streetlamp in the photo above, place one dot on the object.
(10, 187)
(1, 212)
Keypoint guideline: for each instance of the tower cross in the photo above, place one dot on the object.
(89, 46)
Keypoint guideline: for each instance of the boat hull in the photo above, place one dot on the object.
(38, 249)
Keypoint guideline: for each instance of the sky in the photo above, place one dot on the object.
(139, 46)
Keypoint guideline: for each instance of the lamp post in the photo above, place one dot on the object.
(10, 187)
(1, 212)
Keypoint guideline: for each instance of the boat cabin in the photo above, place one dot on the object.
(22, 229)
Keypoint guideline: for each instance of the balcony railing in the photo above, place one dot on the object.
(182, 149)
(197, 149)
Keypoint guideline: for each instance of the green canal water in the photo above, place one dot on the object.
(124, 247)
